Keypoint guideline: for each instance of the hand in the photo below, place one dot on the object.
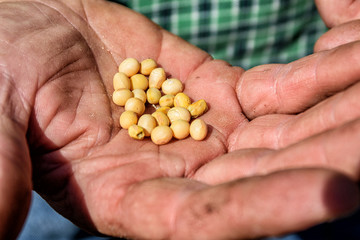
(58, 59)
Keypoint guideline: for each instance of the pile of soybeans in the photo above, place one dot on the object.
(139, 85)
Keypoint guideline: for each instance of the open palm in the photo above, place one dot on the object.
(58, 61)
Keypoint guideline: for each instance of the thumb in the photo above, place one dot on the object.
(15, 173)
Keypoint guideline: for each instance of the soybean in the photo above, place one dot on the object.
(130, 66)
(161, 118)
(163, 109)
(147, 65)
(120, 80)
(148, 123)
(136, 132)
(127, 119)
(182, 100)
(135, 105)
(153, 95)
(198, 108)
(161, 135)
(180, 128)
(140, 94)
(166, 101)
(198, 129)
(177, 113)
(139, 81)
(121, 96)
(157, 78)
(172, 86)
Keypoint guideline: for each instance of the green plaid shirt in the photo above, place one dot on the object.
(245, 33)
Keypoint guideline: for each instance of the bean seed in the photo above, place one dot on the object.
(182, 100)
(157, 77)
(135, 105)
(180, 128)
(153, 95)
(163, 109)
(130, 66)
(147, 65)
(166, 101)
(140, 94)
(127, 119)
(161, 118)
(139, 81)
(172, 86)
(148, 123)
(120, 96)
(161, 135)
(120, 80)
(198, 129)
(177, 113)
(136, 132)
(198, 108)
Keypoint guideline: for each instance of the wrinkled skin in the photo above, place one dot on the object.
(281, 155)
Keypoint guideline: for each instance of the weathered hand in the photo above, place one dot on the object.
(57, 62)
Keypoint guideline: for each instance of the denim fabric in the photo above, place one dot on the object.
(43, 223)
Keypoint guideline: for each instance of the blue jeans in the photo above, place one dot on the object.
(43, 223)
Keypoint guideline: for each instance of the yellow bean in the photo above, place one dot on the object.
(172, 86)
(135, 105)
(153, 95)
(136, 132)
(180, 128)
(157, 77)
(164, 110)
(161, 118)
(177, 113)
(161, 135)
(198, 108)
(139, 81)
(140, 94)
(147, 65)
(130, 66)
(120, 80)
(166, 101)
(148, 123)
(198, 129)
(182, 100)
(127, 119)
(120, 96)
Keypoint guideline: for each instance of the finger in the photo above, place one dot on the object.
(296, 86)
(231, 166)
(336, 149)
(15, 179)
(185, 209)
(16, 94)
(339, 35)
(279, 130)
(335, 12)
